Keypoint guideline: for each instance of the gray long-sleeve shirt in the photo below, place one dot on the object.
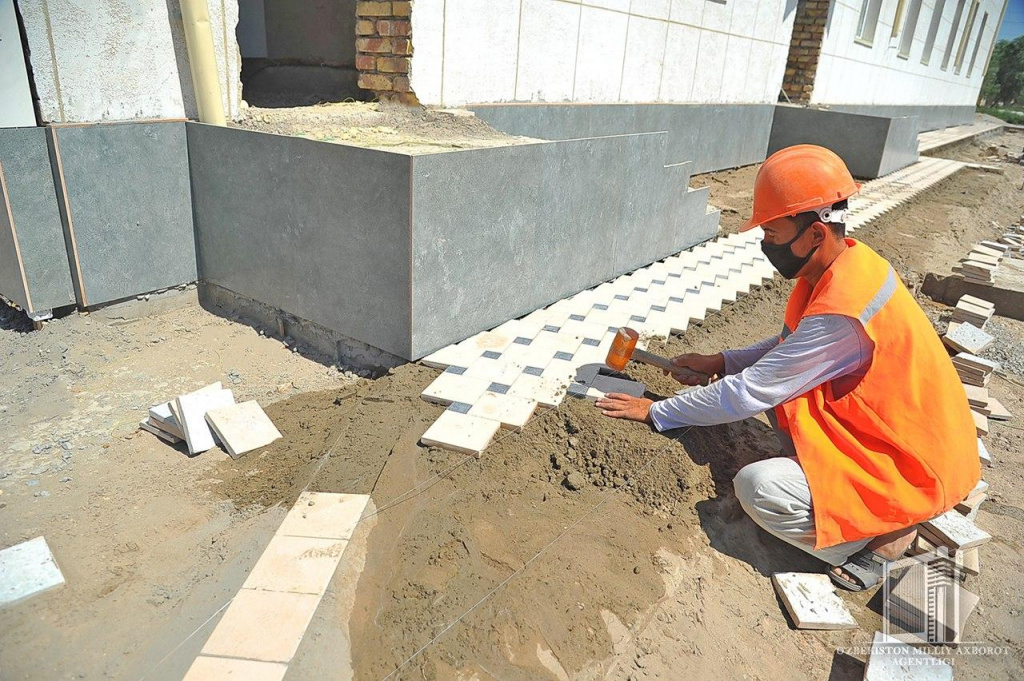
(764, 375)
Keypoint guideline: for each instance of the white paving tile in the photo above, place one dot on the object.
(262, 625)
(461, 432)
(510, 411)
(451, 387)
(325, 515)
(27, 569)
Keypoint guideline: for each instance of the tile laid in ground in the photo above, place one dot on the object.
(893, 660)
(192, 408)
(509, 410)
(301, 565)
(207, 668)
(27, 569)
(324, 515)
(242, 427)
(812, 601)
(461, 432)
(262, 625)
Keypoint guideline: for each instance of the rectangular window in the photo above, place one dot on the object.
(909, 29)
(897, 19)
(868, 21)
(952, 33)
(977, 44)
(933, 30)
(961, 51)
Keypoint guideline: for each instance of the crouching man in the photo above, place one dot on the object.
(861, 392)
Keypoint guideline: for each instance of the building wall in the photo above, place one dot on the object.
(96, 60)
(850, 72)
(700, 51)
(15, 95)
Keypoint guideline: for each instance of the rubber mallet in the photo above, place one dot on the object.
(624, 350)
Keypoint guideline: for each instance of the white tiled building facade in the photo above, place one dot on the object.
(920, 52)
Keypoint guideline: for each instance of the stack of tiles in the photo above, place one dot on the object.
(974, 370)
(1013, 241)
(965, 337)
(973, 310)
(980, 265)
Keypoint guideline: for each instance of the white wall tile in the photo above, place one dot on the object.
(734, 73)
(758, 70)
(655, 9)
(600, 58)
(776, 73)
(427, 62)
(547, 51)
(680, 63)
(707, 84)
(784, 27)
(769, 15)
(687, 11)
(717, 15)
(620, 5)
(480, 51)
(744, 17)
(645, 54)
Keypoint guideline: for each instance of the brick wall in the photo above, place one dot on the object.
(804, 49)
(384, 49)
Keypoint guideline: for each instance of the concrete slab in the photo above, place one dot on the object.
(27, 569)
(1006, 293)
(128, 207)
(29, 210)
(242, 427)
(191, 413)
(812, 602)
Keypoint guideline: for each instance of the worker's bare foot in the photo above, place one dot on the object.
(890, 546)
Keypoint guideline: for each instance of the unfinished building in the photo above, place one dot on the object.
(113, 190)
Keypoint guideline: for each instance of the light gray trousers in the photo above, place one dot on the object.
(774, 492)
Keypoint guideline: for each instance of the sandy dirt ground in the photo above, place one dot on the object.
(493, 567)
(381, 125)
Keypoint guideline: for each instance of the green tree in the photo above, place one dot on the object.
(1004, 80)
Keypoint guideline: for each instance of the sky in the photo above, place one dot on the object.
(1013, 21)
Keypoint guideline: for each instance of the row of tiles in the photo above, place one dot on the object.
(499, 379)
(262, 627)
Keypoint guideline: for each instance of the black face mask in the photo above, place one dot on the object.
(783, 258)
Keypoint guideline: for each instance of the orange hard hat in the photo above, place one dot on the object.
(797, 179)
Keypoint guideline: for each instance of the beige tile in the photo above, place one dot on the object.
(461, 432)
(296, 565)
(324, 514)
(192, 409)
(230, 669)
(262, 625)
(242, 427)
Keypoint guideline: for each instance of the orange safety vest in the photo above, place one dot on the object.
(899, 448)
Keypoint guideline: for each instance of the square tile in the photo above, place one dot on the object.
(242, 427)
(448, 388)
(193, 408)
(494, 370)
(262, 625)
(460, 432)
(812, 601)
(296, 565)
(894, 660)
(511, 411)
(545, 391)
(231, 669)
(326, 515)
(27, 569)
(452, 355)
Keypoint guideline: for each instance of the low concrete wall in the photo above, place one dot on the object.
(31, 239)
(871, 146)
(711, 136)
(929, 117)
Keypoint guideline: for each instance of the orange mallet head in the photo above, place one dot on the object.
(623, 350)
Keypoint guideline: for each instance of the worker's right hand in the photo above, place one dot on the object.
(696, 369)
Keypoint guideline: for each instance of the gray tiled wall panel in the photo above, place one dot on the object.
(500, 232)
(861, 141)
(131, 208)
(712, 136)
(318, 230)
(929, 117)
(33, 203)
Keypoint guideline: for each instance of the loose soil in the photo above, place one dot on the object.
(381, 125)
(493, 566)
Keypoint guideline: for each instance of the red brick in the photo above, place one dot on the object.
(391, 27)
(373, 8)
(376, 81)
(402, 84)
(393, 64)
(366, 62)
(377, 45)
(401, 46)
(366, 27)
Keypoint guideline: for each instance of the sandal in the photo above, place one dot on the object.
(865, 567)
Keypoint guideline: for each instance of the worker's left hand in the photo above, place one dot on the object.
(622, 406)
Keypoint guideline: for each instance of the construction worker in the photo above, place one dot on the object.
(874, 423)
